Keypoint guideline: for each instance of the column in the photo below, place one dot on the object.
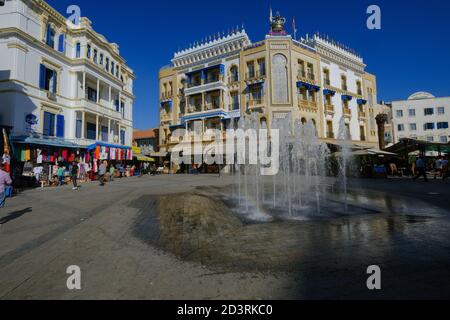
(96, 127)
(109, 98)
(98, 91)
(109, 130)
(84, 86)
(83, 124)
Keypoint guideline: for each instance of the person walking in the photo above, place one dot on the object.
(102, 173)
(112, 172)
(60, 174)
(74, 173)
(421, 168)
(5, 180)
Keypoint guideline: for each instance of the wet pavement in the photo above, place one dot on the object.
(174, 237)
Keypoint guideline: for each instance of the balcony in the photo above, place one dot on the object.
(213, 106)
(166, 95)
(195, 108)
(329, 108)
(308, 106)
(362, 115)
(93, 107)
(166, 117)
(206, 85)
(347, 111)
(255, 104)
(255, 75)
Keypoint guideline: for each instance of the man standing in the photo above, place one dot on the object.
(102, 173)
(5, 180)
(74, 173)
(60, 174)
(421, 168)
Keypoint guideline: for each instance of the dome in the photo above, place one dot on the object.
(421, 95)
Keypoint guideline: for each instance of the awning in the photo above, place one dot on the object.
(103, 144)
(314, 87)
(177, 126)
(346, 97)
(361, 101)
(327, 92)
(144, 158)
(46, 141)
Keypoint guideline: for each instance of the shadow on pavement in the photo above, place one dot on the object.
(15, 215)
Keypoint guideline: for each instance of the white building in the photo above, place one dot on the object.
(422, 117)
(61, 80)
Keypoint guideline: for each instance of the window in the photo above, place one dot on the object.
(428, 126)
(95, 55)
(48, 79)
(122, 109)
(443, 139)
(262, 67)
(50, 37)
(442, 125)
(429, 111)
(78, 50)
(301, 69)
(78, 128)
(91, 131)
(310, 71)
(101, 58)
(359, 88)
(49, 124)
(362, 133)
(430, 139)
(401, 127)
(117, 71)
(413, 127)
(62, 43)
(113, 67)
(412, 112)
(330, 133)
(250, 70)
(104, 134)
(303, 93)
(88, 53)
(92, 94)
(116, 105)
(122, 137)
(441, 111)
(234, 101)
(399, 113)
(234, 74)
(107, 64)
(326, 76)
(344, 82)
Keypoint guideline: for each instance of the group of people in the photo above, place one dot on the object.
(441, 168)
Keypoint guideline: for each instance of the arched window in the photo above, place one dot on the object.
(314, 123)
(280, 79)
(50, 37)
(304, 121)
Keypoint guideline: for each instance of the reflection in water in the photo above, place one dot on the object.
(201, 227)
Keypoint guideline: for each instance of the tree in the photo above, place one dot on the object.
(381, 119)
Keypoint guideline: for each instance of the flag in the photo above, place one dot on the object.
(294, 28)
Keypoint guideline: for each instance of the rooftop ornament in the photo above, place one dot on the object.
(277, 25)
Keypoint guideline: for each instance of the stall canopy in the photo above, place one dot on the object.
(46, 141)
(107, 145)
(407, 146)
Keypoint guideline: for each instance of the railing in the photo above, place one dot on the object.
(361, 114)
(347, 111)
(329, 108)
(213, 106)
(166, 95)
(205, 81)
(255, 102)
(197, 108)
(255, 74)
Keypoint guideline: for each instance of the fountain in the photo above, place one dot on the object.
(302, 188)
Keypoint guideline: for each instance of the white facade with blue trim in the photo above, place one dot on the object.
(62, 80)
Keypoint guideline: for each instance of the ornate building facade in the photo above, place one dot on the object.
(225, 77)
(61, 80)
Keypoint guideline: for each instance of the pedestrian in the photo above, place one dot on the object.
(5, 180)
(102, 173)
(445, 168)
(74, 173)
(112, 172)
(421, 168)
(60, 174)
(438, 168)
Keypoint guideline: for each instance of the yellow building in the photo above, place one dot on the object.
(225, 77)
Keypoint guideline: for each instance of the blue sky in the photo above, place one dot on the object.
(411, 53)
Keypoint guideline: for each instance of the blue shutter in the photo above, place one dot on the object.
(49, 124)
(55, 81)
(42, 77)
(60, 126)
(61, 43)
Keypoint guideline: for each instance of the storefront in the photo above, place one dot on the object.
(118, 156)
(37, 159)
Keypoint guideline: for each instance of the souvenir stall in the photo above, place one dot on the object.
(38, 160)
(141, 162)
(118, 156)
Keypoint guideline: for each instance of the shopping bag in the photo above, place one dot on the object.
(9, 191)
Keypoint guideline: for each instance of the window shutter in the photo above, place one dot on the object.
(61, 43)
(55, 81)
(60, 126)
(42, 77)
